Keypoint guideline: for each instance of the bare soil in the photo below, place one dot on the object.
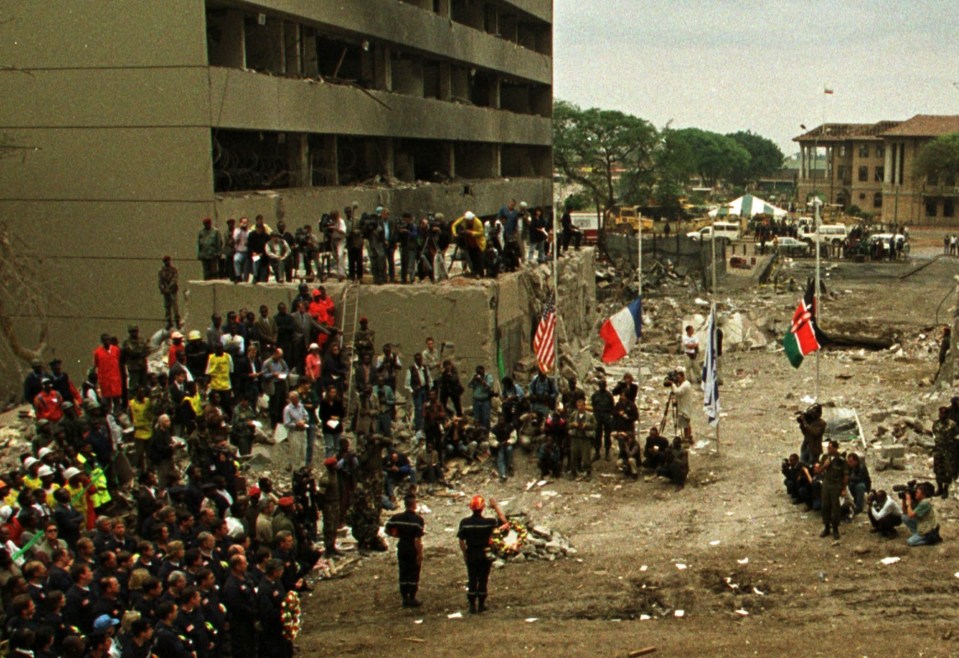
(731, 525)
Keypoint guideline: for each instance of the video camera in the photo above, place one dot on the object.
(368, 224)
(903, 489)
(672, 377)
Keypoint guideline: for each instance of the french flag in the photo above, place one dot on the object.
(619, 333)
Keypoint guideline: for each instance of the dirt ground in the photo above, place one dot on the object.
(731, 525)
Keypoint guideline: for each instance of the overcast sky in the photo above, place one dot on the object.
(726, 65)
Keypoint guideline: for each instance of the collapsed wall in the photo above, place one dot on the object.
(481, 322)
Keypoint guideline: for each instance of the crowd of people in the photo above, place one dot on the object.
(135, 475)
(345, 245)
(839, 486)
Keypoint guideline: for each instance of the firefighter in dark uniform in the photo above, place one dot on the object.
(269, 600)
(169, 643)
(835, 478)
(407, 526)
(474, 534)
(239, 597)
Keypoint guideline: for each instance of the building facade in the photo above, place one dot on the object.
(871, 166)
(135, 120)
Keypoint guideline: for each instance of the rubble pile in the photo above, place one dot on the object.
(542, 543)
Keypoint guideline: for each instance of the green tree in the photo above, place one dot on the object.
(592, 146)
(711, 156)
(938, 160)
(764, 156)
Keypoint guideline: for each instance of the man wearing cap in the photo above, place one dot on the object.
(134, 355)
(475, 532)
(62, 384)
(364, 340)
(167, 281)
(277, 251)
(407, 527)
(209, 247)
(33, 382)
(471, 238)
(47, 403)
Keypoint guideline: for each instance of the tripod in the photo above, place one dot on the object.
(670, 404)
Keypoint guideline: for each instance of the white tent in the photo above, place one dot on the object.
(747, 206)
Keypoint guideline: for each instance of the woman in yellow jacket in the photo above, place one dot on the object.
(471, 238)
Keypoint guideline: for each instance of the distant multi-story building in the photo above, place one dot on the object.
(871, 166)
(147, 116)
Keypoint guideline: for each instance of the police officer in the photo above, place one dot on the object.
(269, 600)
(835, 478)
(239, 595)
(169, 642)
(133, 354)
(474, 534)
(408, 526)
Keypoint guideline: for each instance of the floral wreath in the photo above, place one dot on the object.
(508, 540)
(290, 615)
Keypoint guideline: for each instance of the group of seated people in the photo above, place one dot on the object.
(909, 505)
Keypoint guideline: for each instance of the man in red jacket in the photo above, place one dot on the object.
(48, 403)
(106, 362)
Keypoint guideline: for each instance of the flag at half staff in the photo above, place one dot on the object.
(544, 342)
(620, 332)
(710, 375)
(804, 336)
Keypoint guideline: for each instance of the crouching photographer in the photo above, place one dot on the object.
(885, 514)
(919, 515)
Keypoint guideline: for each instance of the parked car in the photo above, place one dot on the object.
(787, 245)
(728, 230)
(833, 234)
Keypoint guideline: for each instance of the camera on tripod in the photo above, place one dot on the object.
(672, 377)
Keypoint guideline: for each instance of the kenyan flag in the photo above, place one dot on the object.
(804, 336)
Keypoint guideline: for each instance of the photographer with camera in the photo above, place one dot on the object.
(919, 515)
(835, 479)
(682, 392)
(407, 234)
(885, 514)
(471, 239)
(813, 427)
(481, 388)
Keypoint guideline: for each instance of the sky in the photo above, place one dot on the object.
(728, 65)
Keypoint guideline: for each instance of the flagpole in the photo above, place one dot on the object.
(639, 288)
(715, 368)
(817, 203)
(555, 294)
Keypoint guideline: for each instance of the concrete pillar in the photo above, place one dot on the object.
(445, 81)
(887, 165)
(382, 67)
(298, 154)
(494, 92)
(291, 50)
(450, 158)
(496, 164)
(802, 163)
(325, 159)
(308, 53)
(387, 158)
(274, 28)
(442, 7)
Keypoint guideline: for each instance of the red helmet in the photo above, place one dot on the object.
(477, 504)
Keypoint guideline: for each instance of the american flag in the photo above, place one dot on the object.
(544, 342)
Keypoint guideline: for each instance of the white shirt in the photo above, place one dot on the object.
(684, 398)
(890, 508)
(690, 345)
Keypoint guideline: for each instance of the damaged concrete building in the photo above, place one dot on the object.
(135, 120)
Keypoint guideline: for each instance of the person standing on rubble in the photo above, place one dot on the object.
(813, 428)
(683, 399)
(835, 479)
(475, 532)
(691, 350)
(407, 527)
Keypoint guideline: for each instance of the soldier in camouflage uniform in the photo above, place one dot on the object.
(134, 353)
(366, 507)
(363, 340)
(169, 287)
(329, 500)
(209, 247)
(943, 452)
